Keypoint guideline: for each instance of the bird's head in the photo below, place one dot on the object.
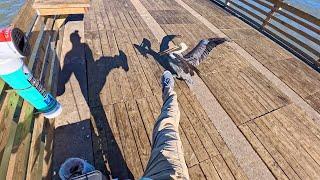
(175, 50)
(182, 47)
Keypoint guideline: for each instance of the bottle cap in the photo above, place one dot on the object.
(54, 112)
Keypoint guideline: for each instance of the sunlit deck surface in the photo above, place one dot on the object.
(268, 126)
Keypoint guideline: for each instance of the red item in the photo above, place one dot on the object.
(5, 34)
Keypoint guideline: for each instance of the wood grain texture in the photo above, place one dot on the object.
(60, 7)
(281, 138)
(60, 3)
(116, 106)
(63, 11)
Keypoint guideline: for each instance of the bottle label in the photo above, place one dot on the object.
(36, 83)
(49, 99)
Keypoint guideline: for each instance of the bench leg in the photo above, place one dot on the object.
(59, 21)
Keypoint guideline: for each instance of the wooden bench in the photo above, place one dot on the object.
(61, 8)
(25, 136)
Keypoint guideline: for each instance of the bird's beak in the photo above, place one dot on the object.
(168, 51)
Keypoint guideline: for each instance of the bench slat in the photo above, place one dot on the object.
(8, 126)
(35, 162)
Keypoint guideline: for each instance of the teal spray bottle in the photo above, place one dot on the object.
(13, 49)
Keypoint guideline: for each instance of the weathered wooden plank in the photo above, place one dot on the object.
(36, 40)
(147, 116)
(264, 154)
(271, 97)
(289, 119)
(213, 133)
(60, 3)
(99, 80)
(147, 69)
(238, 34)
(130, 148)
(72, 78)
(114, 147)
(307, 121)
(96, 68)
(189, 154)
(37, 147)
(283, 150)
(193, 137)
(33, 169)
(58, 11)
(8, 121)
(146, 91)
(51, 85)
(196, 123)
(209, 170)
(195, 172)
(139, 132)
(314, 100)
(262, 69)
(20, 150)
(148, 84)
(281, 160)
(238, 113)
(222, 168)
(40, 53)
(122, 73)
(115, 86)
(308, 164)
(48, 149)
(21, 142)
(104, 14)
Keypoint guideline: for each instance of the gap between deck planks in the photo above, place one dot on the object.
(256, 168)
(73, 135)
(120, 95)
(116, 24)
(261, 68)
(285, 143)
(281, 107)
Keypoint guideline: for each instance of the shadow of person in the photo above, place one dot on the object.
(92, 75)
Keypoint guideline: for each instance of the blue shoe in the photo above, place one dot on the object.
(73, 167)
(167, 82)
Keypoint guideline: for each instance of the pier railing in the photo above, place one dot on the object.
(293, 28)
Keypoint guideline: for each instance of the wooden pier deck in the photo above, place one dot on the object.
(253, 112)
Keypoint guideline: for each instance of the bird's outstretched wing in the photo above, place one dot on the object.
(202, 50)
(186, 66)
